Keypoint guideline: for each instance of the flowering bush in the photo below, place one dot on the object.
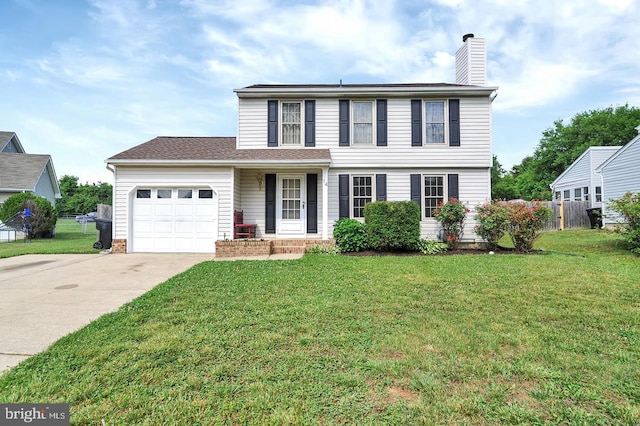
(493, 222)
(451, 216)
(628, 206)
(526, 220)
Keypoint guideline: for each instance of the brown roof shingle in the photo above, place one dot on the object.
(180, 148)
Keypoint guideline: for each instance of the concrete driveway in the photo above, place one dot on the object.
(45, 297)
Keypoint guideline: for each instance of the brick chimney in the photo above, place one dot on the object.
(471, 61)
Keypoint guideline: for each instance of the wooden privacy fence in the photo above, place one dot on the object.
(575, 215)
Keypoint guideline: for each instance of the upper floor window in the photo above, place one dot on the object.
(362, 122)
(291, 123)
(434, 121)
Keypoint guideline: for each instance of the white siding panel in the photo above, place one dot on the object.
(128, 178)
(252, 123)
(621, 175)
(473, 190)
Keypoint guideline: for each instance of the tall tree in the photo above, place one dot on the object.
(562, 144)
(82, 198)
(502, 183)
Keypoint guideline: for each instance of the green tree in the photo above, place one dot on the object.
(82, 198)
(502, 182)
(562, 144)
(43, 216)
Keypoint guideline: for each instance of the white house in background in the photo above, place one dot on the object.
(309, 154)
(579, 182)
(620, 174)
(21, 172)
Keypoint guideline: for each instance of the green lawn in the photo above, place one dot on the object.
(70, 238)
(474, 339)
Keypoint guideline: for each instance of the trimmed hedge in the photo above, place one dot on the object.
(393, 225)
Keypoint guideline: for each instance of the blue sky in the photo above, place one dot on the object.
(84, 80)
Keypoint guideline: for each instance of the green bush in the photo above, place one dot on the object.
(526, 220)
(493, 222)
(350, 235)
(43, 215)
(628, 206)
(432, 246)
(318, 249)
(392, 225)
(451, 216)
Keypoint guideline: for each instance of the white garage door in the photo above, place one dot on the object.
(175, 220)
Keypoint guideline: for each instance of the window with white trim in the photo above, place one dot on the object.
(585, 192)
(362, 119)
(291, 123)
(362, 190)
(433, 194)
(557, 196)
(598, 194)
(434, 119)
(567, 195)
(577, 194)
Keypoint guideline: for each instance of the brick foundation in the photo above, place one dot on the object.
(119, 246)
(266, 247)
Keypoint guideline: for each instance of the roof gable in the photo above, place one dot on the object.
(619, 153)
(9, 142)
(587, 153)
(22, 171)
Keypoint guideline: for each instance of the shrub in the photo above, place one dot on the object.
(451, 216)
(525, 223)
(43, 215)
(493, 222)
(393, 225)
(350, 235)
(628, 206)
(431, 246)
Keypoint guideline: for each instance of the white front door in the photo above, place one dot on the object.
(291, 212)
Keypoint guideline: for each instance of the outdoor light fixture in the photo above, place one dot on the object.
(260, 179)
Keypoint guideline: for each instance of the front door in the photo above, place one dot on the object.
(291, 212)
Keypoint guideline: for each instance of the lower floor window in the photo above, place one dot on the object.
(577, 194)
(433, 194)
(362, 194)
(598, 194)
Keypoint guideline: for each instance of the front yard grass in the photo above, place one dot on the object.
(70, 239)
(474, 339)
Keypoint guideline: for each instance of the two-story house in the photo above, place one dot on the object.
(307, 155)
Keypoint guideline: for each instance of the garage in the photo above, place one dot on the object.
(171, 220)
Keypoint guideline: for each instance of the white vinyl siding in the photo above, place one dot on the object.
(621, 175)
(128, 178)
(473, 191)
(581, 174)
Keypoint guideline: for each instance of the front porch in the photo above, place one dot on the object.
(262, 247)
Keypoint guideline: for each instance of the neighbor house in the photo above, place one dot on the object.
(620, 173)
(579, 182)
(306, 155)
(21, 172)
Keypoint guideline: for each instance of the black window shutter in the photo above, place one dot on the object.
(381, 130)
(381, 187)
(416, 190)
(454, 122)
(452, 185)
(416, 122)
(343, 196)
(272, 123)
(270, 203)
(309, 123)
(312, 203)
(343, 139)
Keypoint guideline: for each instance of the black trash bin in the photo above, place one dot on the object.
(104, 234)
(595, 217)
